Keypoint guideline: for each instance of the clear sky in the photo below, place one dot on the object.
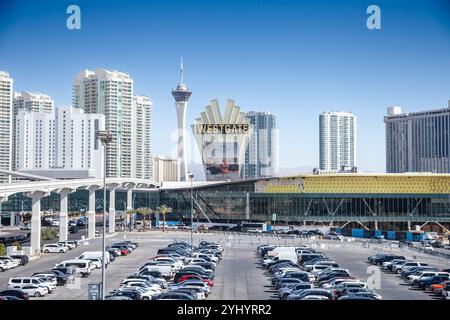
(294, 58)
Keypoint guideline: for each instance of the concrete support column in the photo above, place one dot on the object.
(247, 207)
(35, 242)
(12, 221)
(376, 225)
(129, 205)
(112, 210)
(409, 225)
(63, 215)
(91, 212)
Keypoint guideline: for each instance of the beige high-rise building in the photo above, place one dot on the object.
(142, 137)
(6, 124)
(109, 93)
(166, 169)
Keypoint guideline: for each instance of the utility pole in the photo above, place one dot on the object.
(105, 138)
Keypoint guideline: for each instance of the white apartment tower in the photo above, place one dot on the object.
(63, 139)
(181, 95)
(337, 140)
(6, 124)
(109, 93)
(141, 137)
(29, 101)
(35, 140)
(77, 147)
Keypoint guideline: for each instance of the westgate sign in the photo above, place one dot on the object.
(223, 128)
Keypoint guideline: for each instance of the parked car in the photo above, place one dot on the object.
(20, 282)
(71, 244)
(311, 292)
(22, 257)
(378, 259)
(399, 267)
(10, 262)
(284, 292)
(422, 284)
(35, 290)
(15, 293)
(54, 247)
(174, 295)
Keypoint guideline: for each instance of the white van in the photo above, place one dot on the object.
(275, 251)
(165, 269)
(17, 283)
(291, 256)
(95, 254)
(80, 266)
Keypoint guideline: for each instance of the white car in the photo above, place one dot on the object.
(175, 263)
(34, 290)
(428, 248)
(96, 263)
(318, 268)
(154, 287)
(312, 297)
(47, 277)
(5, 265)
(54, 247)
(55, 223)
(69, 244)
(10, 262)
(210, 256)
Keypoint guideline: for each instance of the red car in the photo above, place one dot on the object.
(193, 276)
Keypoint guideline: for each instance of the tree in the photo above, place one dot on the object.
(144, 212)
(18, 245)
(129, 213)
(164, 209)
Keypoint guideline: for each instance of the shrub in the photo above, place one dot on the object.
(18, 245)
(48, 234)
(2, 249)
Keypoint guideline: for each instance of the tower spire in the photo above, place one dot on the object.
(181, 71)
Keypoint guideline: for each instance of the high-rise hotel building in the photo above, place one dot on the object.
(141, 137)
(261, 157)
(30, 102)
(418, 141)
(337, 136)
(6, 124)
(109, 93)
(56, 143)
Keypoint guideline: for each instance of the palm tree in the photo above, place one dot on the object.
(144, 212)
(164, 209)
(129, 213)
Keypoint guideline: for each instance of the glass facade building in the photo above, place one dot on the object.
(396, 199)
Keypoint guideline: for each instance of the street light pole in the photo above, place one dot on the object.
(191, 177)
(105, 138)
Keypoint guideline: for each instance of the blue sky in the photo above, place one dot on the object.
(295, 58)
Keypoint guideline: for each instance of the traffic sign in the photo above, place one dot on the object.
(94, 291)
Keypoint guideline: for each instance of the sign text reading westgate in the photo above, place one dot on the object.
(222, 128)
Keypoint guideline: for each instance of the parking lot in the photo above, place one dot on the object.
(238, 276)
